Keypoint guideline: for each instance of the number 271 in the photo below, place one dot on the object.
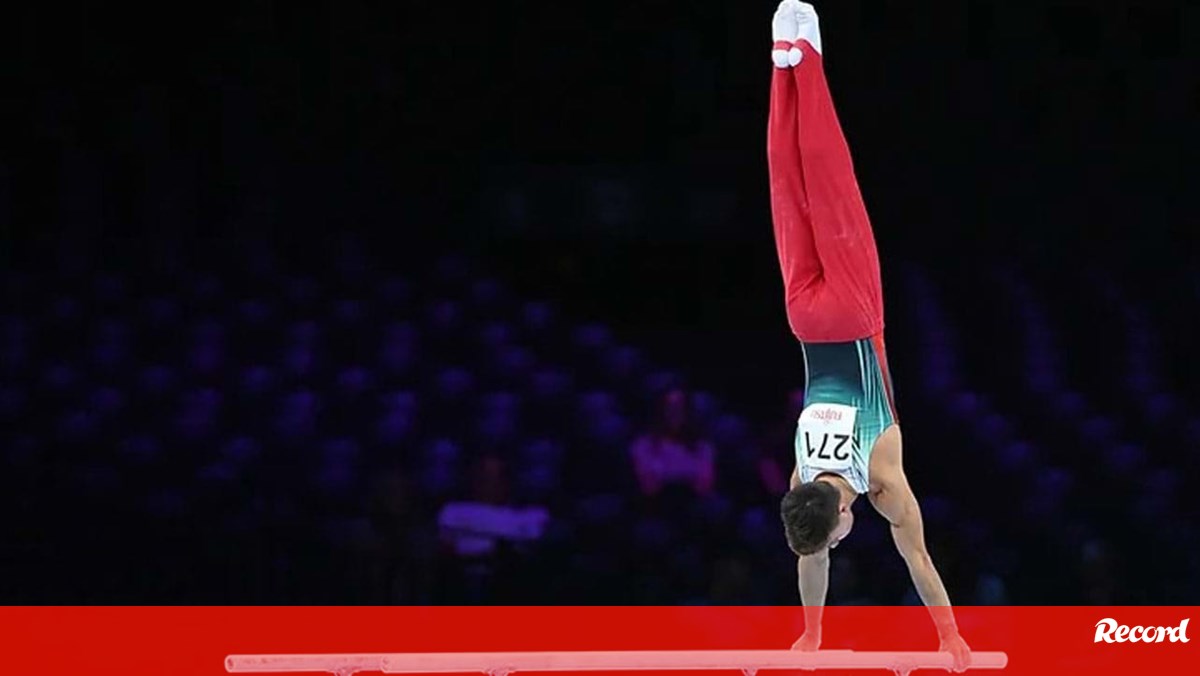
(838, 453)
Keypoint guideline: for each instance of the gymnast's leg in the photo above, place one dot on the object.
(841, 229)
(794, 240)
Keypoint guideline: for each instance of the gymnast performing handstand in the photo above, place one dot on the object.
(848, 438)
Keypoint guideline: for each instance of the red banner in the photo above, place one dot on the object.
(160, 641)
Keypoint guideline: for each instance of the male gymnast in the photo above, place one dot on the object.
(847, 439)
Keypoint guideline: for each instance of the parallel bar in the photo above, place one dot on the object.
(427, 663)
(657, 660)
(335, 664)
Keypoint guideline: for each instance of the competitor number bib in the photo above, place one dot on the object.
(825, 437)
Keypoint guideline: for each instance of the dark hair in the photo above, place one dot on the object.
(810, 513)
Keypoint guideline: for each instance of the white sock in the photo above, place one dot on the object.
(785, 28)
(808, 25)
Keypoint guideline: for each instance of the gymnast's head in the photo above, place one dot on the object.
(814, 517)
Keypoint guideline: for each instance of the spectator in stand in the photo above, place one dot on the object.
(673, 452)
(490, 542)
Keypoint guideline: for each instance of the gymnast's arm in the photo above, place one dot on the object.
(813, 573)
(896, 502)
(899, 506)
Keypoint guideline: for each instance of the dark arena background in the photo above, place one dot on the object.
(368, 303)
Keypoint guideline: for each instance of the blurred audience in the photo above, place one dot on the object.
(485, 537)
(475, 526)
(777, 449)
(673, 452)
(267, 438)
(403, 545)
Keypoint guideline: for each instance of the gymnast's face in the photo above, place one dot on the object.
(844, 524)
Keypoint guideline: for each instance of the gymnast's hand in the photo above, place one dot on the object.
(809, 642)
(957, 647)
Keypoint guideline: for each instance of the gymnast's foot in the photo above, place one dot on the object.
(808, 25)
(785, 29)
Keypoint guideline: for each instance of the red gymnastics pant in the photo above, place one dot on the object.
(822, 233)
